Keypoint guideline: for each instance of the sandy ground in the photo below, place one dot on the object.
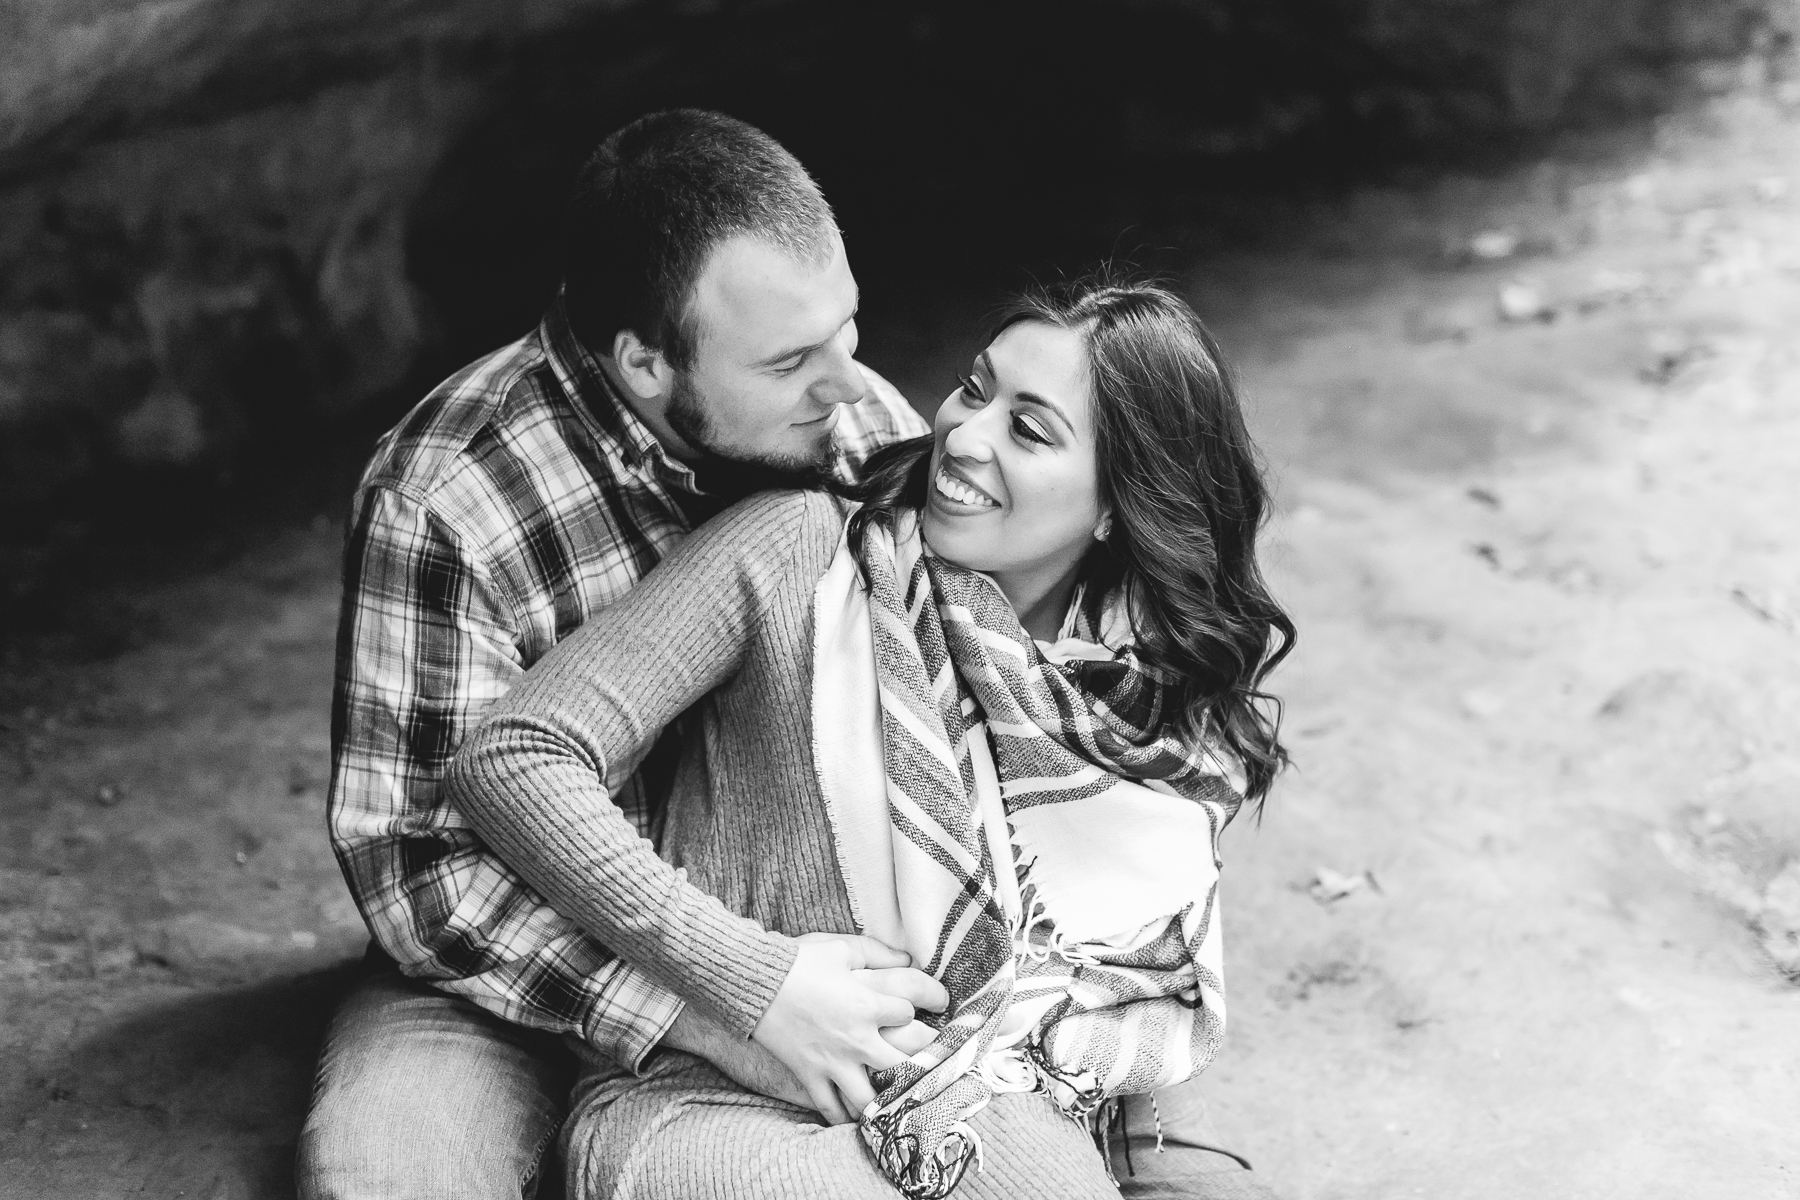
(1544, 716)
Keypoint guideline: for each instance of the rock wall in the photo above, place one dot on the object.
(216, 215)
(183, 290)
(202, 214)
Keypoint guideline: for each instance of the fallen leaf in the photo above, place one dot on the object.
(1329, 885)
(1771, 607)
(1483, 495)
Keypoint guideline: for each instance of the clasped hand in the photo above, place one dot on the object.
(847, 1008)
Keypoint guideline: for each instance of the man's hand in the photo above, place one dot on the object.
(846, 1008)
(746, 1063)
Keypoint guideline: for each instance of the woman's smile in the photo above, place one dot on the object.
(961, 494)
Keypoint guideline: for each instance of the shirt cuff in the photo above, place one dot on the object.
(632, 1016)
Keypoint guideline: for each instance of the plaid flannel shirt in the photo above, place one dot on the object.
(520, 497)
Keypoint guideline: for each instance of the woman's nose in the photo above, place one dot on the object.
(969, 438)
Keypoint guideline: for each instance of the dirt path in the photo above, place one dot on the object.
(1547, 573)
(1547, 577)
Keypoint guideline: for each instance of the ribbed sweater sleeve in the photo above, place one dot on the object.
(532, 779)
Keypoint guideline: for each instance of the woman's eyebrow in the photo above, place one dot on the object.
(982, 359)
(1043, 402)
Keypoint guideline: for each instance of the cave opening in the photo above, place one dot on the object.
(275, 286)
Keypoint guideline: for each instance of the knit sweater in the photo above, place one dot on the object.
(721, 631)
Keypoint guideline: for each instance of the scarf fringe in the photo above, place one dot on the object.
(1034, 912)
(920, 1175)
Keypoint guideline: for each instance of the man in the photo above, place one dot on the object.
(702, 347)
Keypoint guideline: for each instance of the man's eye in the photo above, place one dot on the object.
(1030, 430)
(971, 390)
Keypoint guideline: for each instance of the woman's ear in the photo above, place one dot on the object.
(1103, 528)
(644, 368)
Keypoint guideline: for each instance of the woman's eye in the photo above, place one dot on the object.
(971, 390)
(1030, 430)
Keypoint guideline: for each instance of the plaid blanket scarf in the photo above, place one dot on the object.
(1082, 958)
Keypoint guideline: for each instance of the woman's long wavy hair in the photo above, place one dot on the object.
(1184, 484)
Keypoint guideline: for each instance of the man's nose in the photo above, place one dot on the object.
(843, 381)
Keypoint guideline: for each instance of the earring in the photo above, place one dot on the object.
(1104, 531)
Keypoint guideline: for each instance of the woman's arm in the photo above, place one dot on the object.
(533, 778)
(533, 782)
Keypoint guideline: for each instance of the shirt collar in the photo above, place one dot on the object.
(599, 402)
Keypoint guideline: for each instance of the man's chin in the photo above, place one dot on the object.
(742, 472)
(806, 456)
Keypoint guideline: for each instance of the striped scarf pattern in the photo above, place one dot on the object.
(949, 653)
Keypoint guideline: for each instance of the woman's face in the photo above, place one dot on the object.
(1015, 487)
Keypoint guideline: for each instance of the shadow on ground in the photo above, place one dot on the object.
(185, 1092)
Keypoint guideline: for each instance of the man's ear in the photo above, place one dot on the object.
(644, 369)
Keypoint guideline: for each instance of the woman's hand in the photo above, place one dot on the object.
(846, 1008)
(752, 1067)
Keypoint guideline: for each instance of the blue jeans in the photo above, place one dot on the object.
(422, 1095)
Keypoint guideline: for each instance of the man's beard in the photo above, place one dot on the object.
(729, 471)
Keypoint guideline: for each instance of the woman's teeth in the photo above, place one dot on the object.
(962, 493)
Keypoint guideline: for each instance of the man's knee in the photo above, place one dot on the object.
(420, 1095)
(333, 1167)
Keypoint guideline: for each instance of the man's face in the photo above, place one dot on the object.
(774, 358)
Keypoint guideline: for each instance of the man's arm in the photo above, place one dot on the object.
(424, 645)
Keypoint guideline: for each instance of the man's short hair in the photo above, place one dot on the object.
(651, 204)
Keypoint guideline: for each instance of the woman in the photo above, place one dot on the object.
(996, 718)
